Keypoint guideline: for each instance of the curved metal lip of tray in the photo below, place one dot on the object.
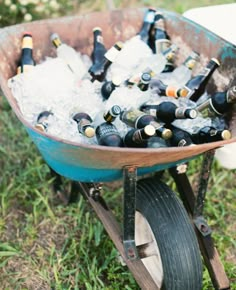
(99, 163)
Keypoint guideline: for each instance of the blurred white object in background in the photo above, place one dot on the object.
(210, 17)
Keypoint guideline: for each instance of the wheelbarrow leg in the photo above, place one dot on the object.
(194, 206)
(65, 197)
(92, 193)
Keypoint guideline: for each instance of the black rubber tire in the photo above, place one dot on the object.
(174, 234)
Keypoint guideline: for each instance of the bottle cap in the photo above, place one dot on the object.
(40, 127)
(226, 135)
(149, 130)
(89, 132)
(116, 80)
(216, 61)
(97, 28)
(166, 134)
(27, 33)
(55, 39)
(192, 113)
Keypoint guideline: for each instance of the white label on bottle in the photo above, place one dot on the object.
(161, 45)
(149, 17)
(111, 54)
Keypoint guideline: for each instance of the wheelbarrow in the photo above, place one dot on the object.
(160, 236)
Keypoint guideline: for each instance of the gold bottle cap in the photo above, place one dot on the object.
(116, 80)
(55, 39)
(40, 127)
(149, 130)
(166, 134)
(226, 135)
(97, 28)
(89, 132)
(216, 61)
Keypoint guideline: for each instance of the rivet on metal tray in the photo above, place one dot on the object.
(182, 168)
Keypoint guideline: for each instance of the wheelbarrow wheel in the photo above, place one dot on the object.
(173, 257)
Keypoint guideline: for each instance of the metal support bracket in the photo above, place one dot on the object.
(202, 226)
(129, 207)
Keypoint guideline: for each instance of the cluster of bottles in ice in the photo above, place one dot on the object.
(129, 95)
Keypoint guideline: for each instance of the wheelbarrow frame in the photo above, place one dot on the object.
(129, 161)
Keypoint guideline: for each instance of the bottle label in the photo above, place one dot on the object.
(102, 131)
(182, 143)
(100, 39)
(27, 42)
(131, 117)
(149, 17)
(171, 91)
(185, 92)
(112, 54)
(163, 44)
(26, 68)
(137, 137)
(180, 113)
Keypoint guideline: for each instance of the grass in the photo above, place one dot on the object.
(47, 245)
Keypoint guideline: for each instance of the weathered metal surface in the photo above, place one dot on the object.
(98, 163)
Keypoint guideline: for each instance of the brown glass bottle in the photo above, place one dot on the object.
(144, 81)
(138, 137)
(147, 25)
(109, 86)
(138, 119)
(98, 70)
(26, 62)
(219, 103)
(209, 134)
(161, 37)
(196, 86)
(180, 138)
(167, 112)
(112, 113)
(42, 120)
(84, 124)
(170, 54)
(167, 90)
(108, 135)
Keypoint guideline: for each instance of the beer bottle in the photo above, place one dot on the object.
(158, 87)
(170, 54)
(182, 74)
(98, 70)
(42, 120)
(197, 85)
(138, 137)
(108, 135)
(219, 103)
(138, 119)
(147, 24)
(26, 61)
(144, 81)
(109, 86)
(180, 138)
(162, 39)
(84, 125)
(71, 57)
(112, 113)
(98, 46)
(167, 111)
(209, 134)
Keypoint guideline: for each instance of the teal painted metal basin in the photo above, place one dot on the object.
(99, 163)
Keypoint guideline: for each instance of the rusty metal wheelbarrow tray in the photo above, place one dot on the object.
(93, 163)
